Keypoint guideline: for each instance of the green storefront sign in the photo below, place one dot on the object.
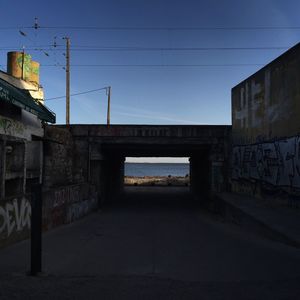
(23, 100)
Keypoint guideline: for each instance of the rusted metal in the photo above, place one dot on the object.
(34, 75)
(19, 65)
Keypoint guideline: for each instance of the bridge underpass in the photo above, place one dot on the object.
(199, 167)
(206, 146)
(162, 249)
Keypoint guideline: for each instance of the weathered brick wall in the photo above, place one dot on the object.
(80, 160)
(67, 193)
(58, 157)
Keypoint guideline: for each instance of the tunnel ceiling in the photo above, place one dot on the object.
(152, 150)
(152, 140)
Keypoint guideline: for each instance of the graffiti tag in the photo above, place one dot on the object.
(277, 163)
(15, 216)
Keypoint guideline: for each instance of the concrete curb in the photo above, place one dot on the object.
(250, 221)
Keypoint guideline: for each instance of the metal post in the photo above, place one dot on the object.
(36, 230)
(23, 61)
(67, 80)
(2, 167)
(108, 105)
(24, 166)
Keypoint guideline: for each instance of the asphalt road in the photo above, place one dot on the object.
(154, 245)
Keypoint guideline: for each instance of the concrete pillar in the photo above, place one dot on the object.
(217, 177)
(107, 175)
(200, 176)
(115, 177)
(219, 167)
(96, 178)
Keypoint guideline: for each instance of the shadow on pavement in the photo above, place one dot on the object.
(156, 198)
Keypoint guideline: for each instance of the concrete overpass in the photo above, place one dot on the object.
(206, 145)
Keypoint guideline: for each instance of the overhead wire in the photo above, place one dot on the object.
(40, 49)
(124, 48)
(158, 28)
(24, 34)
(86, 48)
(77, 94)
(162, 65)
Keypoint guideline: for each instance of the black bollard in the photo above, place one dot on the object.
(36, 230)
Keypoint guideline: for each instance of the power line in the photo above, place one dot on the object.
(161, 65)
(108, 49)
(80, 48)
(76, 94)
(39, 49)
(151, 28)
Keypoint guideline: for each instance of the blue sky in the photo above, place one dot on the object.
(160, 94)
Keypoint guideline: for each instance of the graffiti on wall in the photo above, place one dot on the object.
(15, 216)
(61, 199)
(78, 210)
(10, 127)
(276, 163)
(70, 203)
(65, 195)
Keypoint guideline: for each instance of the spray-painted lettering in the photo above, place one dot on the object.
(15, 216)
(276, 163)
(66, 195)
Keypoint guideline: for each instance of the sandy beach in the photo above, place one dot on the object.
(157, 180)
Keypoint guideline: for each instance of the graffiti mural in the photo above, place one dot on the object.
(276, 163)
(15, 216)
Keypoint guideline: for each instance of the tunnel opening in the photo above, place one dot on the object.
(145, 171)
(156, 182)
(157, 171)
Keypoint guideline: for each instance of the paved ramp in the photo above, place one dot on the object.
(154, 245)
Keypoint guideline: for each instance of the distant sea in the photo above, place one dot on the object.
(156, 169)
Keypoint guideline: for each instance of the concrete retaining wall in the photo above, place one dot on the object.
(67, 194)
(265, 131)
(61, 205)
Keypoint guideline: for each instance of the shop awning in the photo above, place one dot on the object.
(22, 98)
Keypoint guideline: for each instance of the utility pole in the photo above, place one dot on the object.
(108, 90)
(67, 80)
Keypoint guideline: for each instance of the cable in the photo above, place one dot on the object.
(137, 28)
(76, 94)
(88, 49)
(25, 35)
(40, 49)
(160, 65)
